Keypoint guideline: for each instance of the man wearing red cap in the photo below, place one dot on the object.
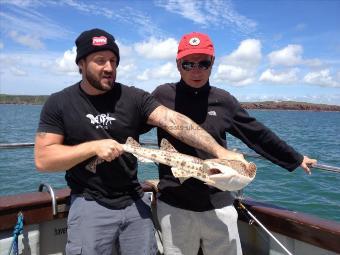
(91, 120)
(194, 214)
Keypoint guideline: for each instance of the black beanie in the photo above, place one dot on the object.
(95, 40)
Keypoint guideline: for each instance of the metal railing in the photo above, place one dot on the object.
(324, 167)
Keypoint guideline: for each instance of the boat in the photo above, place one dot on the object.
(45, 225)
(264, 228)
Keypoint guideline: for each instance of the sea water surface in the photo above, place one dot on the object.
(316, 134)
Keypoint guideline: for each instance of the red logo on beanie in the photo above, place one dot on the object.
(99, 41)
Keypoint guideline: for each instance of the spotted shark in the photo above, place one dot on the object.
(221, 173)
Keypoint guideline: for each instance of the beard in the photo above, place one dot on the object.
(95, 82)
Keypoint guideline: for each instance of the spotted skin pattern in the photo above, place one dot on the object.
(237, 173)
(221, 173)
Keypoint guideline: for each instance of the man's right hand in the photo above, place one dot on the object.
(231, 155)
(108, 149)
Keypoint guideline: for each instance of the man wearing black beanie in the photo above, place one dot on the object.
(81, 131)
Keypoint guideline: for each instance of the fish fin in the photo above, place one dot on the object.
(179, 174)
(240, 167)
(92, 165)
(167, 146)
(132, 142)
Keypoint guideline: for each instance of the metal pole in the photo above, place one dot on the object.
(328, 168)
(15, 145)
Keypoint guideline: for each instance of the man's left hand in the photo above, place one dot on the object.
(307, 163)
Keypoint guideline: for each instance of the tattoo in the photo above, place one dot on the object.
(191, 133)
(184, 129)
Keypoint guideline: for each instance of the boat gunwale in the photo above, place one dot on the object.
(37, 208)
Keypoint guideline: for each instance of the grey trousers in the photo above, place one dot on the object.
(183, 231)
(94, 229)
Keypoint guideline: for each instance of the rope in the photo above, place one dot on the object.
(18, 229)
(264, 228)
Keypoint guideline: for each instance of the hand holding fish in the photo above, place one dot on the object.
(108, 149)
(231, 155)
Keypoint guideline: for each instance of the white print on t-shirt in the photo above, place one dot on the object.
(101, 120)
(212, 113)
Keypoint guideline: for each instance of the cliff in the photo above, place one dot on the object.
(290, 105)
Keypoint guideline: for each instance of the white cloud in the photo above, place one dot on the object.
(272, 76)
(12, 65)
(126, 71)
(157, 49)
(7, 60)
(313, 62)
(27, 40)
(132, 16)
(239, 68)
(188, 9)
(2, 45)
(247, 55)
(22, 3)
(124, 50)
(32, 73)
(17, 71)
(208, 13)
(292, 56)
(168, 71)
(234, 74)
(25, 20)
(288, 56)
(321, 78)
(66, 64)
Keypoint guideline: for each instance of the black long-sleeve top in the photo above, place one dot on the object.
(217, 112)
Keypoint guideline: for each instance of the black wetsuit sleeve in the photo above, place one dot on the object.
(262, 140)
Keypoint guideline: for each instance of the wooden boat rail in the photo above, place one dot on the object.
(37, 208)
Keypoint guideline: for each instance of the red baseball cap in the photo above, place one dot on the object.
(195, 42)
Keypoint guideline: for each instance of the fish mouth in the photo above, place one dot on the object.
(213, 171)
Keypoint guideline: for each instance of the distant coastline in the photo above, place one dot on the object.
(265, 105)
(290, 105)
(22, 99)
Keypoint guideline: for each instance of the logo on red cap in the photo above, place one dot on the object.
(99, 41)
(194, 41)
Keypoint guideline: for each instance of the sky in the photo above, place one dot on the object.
(265, 50)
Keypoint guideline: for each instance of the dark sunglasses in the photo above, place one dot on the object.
(202, 65)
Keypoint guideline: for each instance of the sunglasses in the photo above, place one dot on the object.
(202, 65)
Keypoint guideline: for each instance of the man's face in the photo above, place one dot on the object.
(195, 69)
(99, 70)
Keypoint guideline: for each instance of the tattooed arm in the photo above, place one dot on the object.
(187, 131)
(51, 155)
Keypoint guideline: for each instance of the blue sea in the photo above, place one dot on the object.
(316, 134)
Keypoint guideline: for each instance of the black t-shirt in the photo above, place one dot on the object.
(117, 114)
(217, 112)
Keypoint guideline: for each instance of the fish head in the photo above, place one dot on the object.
(229, 175)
